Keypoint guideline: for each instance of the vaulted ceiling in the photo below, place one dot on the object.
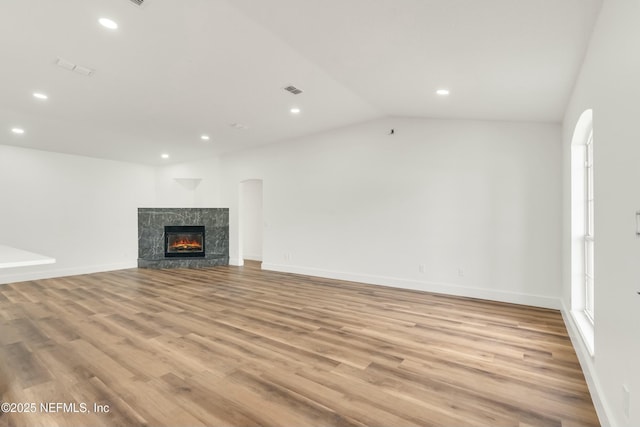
(176, 70)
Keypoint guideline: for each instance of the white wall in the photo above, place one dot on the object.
(79, 210)
(83, 211)
(189, 185)
(609, 83)
(476, 203)
(251, 223)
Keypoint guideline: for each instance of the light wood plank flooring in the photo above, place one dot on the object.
(237, 346)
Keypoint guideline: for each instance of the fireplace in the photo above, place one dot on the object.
(153, 237)
(183, 241)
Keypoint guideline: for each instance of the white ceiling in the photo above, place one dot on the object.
(174, 70)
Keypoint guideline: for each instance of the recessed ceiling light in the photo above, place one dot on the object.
(108, 23)
(17, 131)
(443, 92)
(40, 95)
(205, 137)
(164, 156)
(295, 110)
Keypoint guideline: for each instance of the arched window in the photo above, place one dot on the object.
(588, 228)
(582, 228)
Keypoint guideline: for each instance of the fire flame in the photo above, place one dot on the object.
(186, 245)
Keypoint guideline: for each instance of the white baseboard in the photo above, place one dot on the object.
(440, 288)
(50, 273)
(605, 414)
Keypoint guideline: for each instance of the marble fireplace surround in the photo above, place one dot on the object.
(151, 222)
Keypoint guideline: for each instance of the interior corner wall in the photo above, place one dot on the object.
(189, 185)
(609, 84)
(79, 210)
(461, 207)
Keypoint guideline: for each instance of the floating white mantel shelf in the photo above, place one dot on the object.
(12, 257)
(188, 183)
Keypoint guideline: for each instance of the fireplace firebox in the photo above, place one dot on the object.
(183, 241)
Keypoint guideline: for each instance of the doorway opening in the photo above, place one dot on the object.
(251, 220)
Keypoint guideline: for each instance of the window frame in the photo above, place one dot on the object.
(589, 238)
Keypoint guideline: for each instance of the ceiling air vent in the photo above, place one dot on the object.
(294, 90)
(68, 65)
(137, 2)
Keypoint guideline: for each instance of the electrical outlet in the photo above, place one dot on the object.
(625, 400)
(287, 256)
(421, 268)
(460, 272)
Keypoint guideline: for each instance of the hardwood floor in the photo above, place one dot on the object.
(234, 346)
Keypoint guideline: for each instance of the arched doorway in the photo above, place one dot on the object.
(251, 220)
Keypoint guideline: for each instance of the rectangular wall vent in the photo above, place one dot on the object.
(68, 65)
(294, 90)
(137, 2)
